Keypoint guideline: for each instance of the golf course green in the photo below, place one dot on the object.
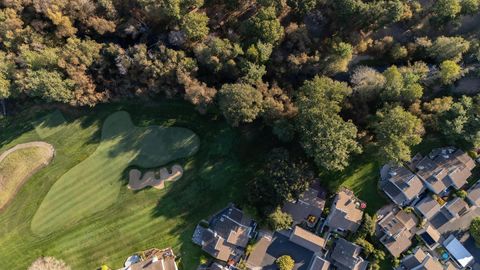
(95, 183)
(79, 209)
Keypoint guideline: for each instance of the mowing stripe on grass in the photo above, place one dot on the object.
(94, 185)
(50, 124)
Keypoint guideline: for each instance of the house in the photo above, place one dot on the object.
(420, 260)
(456, 208)
(401, 185)
(428, 207)
(440, 215)
(458, 251)
(227, 234)
(309, 206)
(397, 230)
(473, 194)
(155, 259)
(346, 212)
(430, 236)
(318, 263)
(346, 256)
(444, 168)
(307, 239)
(305, 248)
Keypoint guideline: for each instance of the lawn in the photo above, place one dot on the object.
(362, 177)
(93, 185)
(363, 174)
(135, 221)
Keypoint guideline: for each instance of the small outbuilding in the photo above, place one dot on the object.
(458, 251)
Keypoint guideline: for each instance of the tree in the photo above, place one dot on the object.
(195, 26)
(461, 123)
(197, 92)
(101, 25)
(279, 220)
(64, 25)
(6, 67)
(475, 230)
(240, 103)
(398, 52)
(368, 226)
(282, 179)
(401, 86)
(449, 72)
(470, 7)
(397, 131)
(219, 56)
(448, 48)
(162, 8)
(461, 193)
(48, 263)
(447, 9)
(265, 26)
(368, 248)
(285, 262)
(11, 26)
(432, 110)
(324, 135)
(367, 82)
(302, 7)
(49, 85)
(340, 55)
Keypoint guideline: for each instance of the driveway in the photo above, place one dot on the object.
(460, 224)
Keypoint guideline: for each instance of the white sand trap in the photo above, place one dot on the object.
(149, 179)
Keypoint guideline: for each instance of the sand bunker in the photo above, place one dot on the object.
(155, 178)
(18, 164)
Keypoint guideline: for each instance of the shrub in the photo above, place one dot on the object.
(285, 262)
(475, 230)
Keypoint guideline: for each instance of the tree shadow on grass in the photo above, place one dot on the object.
(217, 175)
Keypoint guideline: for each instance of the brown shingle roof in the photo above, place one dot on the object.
(445, 167)
(398, 231)
(408, 183)
(428, 207)
(474, 194)
(345, 213)
(307, 239)
(156, 259)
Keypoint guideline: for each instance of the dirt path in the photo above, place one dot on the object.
(51, 154)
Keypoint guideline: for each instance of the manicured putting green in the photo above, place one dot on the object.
(94, 184)
(18, 164)
(50, 124)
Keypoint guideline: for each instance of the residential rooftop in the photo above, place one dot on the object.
(310, 204)
(346, 256)
(156, 259)
(228, 233)
(398, 228)
(346, 212)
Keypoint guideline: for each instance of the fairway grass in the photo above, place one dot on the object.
(95, 183)
(18, 164)
(137, 220)
(49, 124)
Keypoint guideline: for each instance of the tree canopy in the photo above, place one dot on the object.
(397, 131)
(324, 135)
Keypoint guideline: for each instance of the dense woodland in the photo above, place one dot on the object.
(330, 76)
